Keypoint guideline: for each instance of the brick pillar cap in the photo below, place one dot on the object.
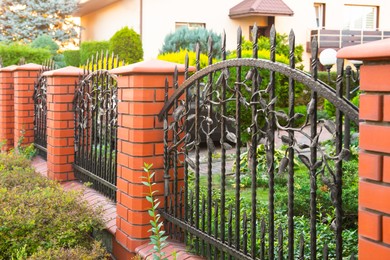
(67, 71)
(9, 68)
(377, 50)
(150, 67)
(28, 66)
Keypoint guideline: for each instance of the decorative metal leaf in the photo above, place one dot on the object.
(310, 107)
(178, 112)
(303, 146)
(281, 115)
(314, 142)
(330, 126)
(286, 140)
(283, 165)
(305, 160)
(231, 137)
(210, 144)
(191, 117)
(226, 73)
(219, 80)
(273, 101)
(190, 163)
(298, 116)
(345, 153)
(249, 74)
(227, 146)
(317, 165)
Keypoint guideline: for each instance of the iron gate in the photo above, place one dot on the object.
(95, 105)
(40, 110)
(220, 223)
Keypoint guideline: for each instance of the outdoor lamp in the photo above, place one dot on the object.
(328, 59)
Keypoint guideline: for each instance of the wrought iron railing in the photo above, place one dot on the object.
(215, 218)
(95, 104)
(40, 109)
(337, 39)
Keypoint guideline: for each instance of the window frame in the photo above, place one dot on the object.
(364, 27)
(190, 25)
(320, 21)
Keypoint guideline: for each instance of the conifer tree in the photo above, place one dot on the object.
(25, 20)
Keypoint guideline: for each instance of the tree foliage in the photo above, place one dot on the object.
(25, 20)
(127, 44)
(186, 39)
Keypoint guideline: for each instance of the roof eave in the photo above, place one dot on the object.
(252, 14)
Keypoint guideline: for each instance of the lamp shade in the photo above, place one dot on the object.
(328, 57)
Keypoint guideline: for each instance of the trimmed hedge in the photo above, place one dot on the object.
(87, 49)
(72, 57)
(11, 54)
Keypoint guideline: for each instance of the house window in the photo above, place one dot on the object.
(359, 17)
(190, 25)
(319, 11)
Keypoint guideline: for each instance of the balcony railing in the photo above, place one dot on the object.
(337, 39)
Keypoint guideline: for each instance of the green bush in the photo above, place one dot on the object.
(46, 42)
(179, 57)
(38, 216)
(186, 39)
(72, 57)
(90, 48)
(11, 54)
(127, 44)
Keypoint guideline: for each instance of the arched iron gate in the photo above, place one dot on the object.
(96, 104)
(198, 208)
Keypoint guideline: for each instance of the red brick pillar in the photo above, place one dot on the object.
(60, 122)
(24, 78)
(374, 158)
(140, 140)
(7, 107)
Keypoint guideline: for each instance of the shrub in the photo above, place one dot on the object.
(186, 39)
(11, 54)
(179, 57)
(127, 44)
(72, 57)
(90, 48)
(38, 216)
(45, 42)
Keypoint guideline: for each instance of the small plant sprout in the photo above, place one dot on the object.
(157, 239)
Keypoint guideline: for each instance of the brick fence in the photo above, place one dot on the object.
(140, 138)
(374, 157)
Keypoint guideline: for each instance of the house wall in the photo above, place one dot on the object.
(102, 24)
(215, 14)
(159, 18)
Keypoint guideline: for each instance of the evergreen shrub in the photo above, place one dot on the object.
(127, 44)
(185, 38)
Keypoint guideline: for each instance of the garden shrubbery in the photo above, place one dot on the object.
(72, 57)
(11, 54)
(90, 48)
(38, 219)
(127, 44)
(186, 39)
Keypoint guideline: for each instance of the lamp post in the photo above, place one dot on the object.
(328, 59)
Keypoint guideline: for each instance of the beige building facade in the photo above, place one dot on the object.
(336, 23)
